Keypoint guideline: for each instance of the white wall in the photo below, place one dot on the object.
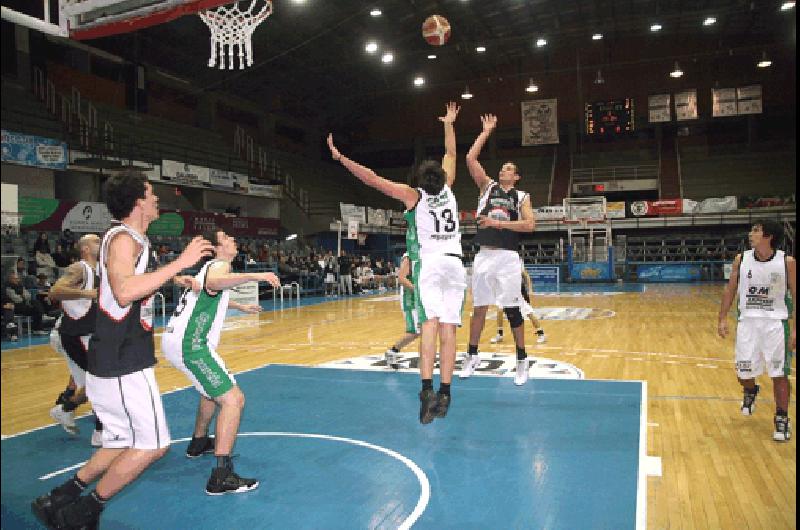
(10, 198)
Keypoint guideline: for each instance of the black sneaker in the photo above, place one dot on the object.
(783, 429)
(200, 446)
(442, 404)
(45, 507)
(224, 480)
(749, 401)
(81, 514)
(427, 400)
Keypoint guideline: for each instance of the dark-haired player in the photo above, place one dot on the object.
(433, 241)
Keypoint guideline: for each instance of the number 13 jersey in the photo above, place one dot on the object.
(433, 227)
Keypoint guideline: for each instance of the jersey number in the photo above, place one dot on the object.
(449, 222)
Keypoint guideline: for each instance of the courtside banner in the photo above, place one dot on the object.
(183, 173)
(246, 293)
(36, 151)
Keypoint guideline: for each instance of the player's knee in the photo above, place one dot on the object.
(157, 454)
(514, 316)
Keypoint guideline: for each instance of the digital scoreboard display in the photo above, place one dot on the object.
(610, 118)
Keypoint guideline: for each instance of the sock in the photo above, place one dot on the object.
(781, 412)
(98, 425)
(225, 461)
(71, 488)
(500, 332)
(444, 388)
(427, 384)
(472, 349)
(96, 501)
(521, 355)
(69, 406)
(395, 349)
(751, 391)
(540, 331)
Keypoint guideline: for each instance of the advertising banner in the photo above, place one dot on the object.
(748, 99)
(183, 173)
(87, 217)
(554, 213)
(666, 207)
(264, 190)
(615, 210)
(539, 122)
(723, 102)
(590, 270)
(351, 211)
(676, 272)
(36, 151)
(240, 182)
(686, 105)
(658, 108)
(246, 293)
(220, 179)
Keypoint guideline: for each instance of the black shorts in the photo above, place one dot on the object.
(75, 350)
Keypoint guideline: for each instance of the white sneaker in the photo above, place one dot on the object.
(97, 438)
(65, 419)
(391, 359)
(541, 339)
(497, 338)
(469, 366)
(783, 429)
(521, 377)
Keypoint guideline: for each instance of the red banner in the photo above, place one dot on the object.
(665, 207)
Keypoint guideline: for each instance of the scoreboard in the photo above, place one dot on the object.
(610, 118)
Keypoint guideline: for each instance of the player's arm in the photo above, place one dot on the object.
(403, 272)
(127, 286)
(728, 296)
(525, 223)
(244, 308)
(489, 122)
(220, 277)
(527, 279)
(449, 159)
(791, 278)
(402, 192)
(70, 285)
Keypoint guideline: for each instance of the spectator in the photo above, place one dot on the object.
(42, 244)
(45, 263)
(60, 256)
(43, 296)
(263, 254)
(67, 239)
(345, 274)
(23, 304)
(9, 325)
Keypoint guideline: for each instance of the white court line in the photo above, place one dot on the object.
(425, 486)
(641, 483)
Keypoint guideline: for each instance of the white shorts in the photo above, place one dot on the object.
(78, 374)
(761, 341)
(439, 284)
(131, 410)
(204, 367)
(496, 278)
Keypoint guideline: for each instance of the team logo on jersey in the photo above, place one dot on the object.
(494, 365)
(749, 274)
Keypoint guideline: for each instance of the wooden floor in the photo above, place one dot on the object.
(720, 469)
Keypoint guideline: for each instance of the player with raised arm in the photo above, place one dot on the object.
(190, 343)
(504, 213)
(433, 241)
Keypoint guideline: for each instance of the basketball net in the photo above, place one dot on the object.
(231, 27)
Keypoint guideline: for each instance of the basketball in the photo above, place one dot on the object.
(436, 30)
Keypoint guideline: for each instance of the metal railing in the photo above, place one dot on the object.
(614, 173)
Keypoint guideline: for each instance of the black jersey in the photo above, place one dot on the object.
(123, 339)
(497, 203)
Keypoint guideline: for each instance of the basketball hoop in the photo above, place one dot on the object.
(9, 223)
(231, 26)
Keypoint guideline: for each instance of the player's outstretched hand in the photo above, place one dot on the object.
(335, 154)
(250, 308)
(451, 113)
(271, 279)
(489, 122)
(484, 221)
(197, 249)
(722, 328)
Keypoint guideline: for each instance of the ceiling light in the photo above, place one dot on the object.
(786, 6)
(371, 47)
(531, 86)
(467, 94)
(375, 12)
(291, 236)
(480, 49)
(387, 58)
(541, 42)
(709, 21)
(597, 36)
(432, 56)
(419, 81)
(677, 72)
(599, 79)
(655, 27)
(764, 62)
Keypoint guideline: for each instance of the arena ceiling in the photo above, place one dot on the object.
(311, 52)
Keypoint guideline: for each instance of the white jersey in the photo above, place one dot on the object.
(433, 227)
(763, 289)
(199, 316)
(79, 307)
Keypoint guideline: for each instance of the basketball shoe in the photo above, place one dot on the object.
(427, 406)
(783, 429)
(469, 365)
(65, 419)
(200, 446)
(224, 480)
(521, 377)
